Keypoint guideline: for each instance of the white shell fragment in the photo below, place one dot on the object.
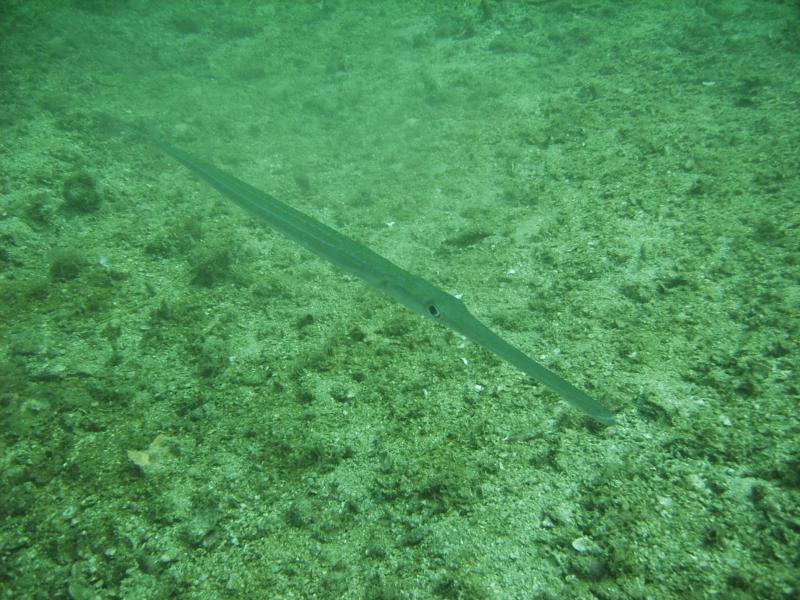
(585, 545)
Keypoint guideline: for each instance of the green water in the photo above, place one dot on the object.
(193, 407)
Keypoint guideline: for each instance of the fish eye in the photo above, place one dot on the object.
(433, 310)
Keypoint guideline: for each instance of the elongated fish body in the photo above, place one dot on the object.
(409, 290)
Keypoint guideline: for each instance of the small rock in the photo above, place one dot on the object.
(585, 545)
